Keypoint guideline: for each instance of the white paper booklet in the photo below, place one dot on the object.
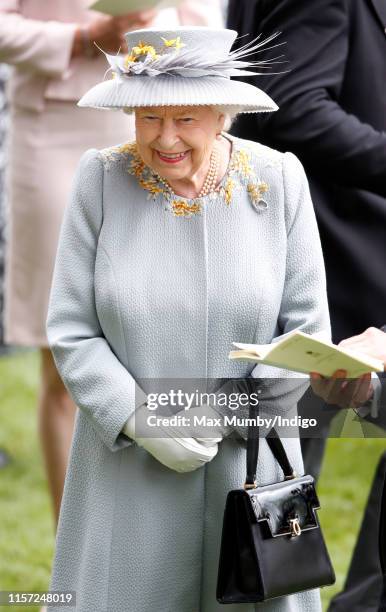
(122, 7)
(305, 353)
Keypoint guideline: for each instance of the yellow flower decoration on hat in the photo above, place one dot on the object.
(174, 42)
(140, 49)
(144, 49)
(129, 58)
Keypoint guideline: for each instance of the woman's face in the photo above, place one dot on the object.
(177, 141)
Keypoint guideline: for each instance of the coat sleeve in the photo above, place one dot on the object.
(304, 300)
(37, 46)
(97, 381)
(310, 121)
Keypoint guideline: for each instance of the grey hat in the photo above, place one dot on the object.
(186, 66)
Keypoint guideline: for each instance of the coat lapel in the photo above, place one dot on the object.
(380, 9)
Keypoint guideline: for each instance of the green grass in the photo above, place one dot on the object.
(346, 478)
(26, 524)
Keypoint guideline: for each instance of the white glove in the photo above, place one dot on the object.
(212, 430)
(172, 450)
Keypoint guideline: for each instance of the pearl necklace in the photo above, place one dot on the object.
(211, 178)
(210, 182)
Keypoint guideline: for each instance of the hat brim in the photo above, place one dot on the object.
(139, 91)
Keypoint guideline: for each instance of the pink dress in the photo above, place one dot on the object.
(48, 135)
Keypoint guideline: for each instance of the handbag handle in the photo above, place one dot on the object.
(276, 446)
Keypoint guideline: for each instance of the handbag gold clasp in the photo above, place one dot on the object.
(250, 486)
(295, 527)
(293, 475)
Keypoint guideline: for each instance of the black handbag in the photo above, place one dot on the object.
(272, 544)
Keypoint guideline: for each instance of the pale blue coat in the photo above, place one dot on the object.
(141, 292)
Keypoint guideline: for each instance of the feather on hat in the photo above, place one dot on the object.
(186, 66)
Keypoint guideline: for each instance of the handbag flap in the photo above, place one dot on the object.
(286, 506)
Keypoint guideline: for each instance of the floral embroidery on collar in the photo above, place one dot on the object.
(181, 208)
(228, 190)
(240, 175)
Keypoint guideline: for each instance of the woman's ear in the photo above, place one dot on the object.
(220, 124)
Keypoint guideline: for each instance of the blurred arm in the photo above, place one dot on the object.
(33, 45)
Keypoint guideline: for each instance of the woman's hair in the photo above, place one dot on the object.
(230, 113)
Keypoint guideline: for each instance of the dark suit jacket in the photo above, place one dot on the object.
(333, 117)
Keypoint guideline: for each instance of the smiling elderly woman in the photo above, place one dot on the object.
(180, 145)
(172, 247)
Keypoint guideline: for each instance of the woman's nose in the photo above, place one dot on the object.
(168, 136)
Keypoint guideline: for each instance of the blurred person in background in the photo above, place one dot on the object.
(4, 71)
(365, 585)
(51, 46)
(328, 119)
(332, 116)
(4, 458)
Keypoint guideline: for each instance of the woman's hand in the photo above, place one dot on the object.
(108, 32)
(182, 454)
(352, 393)
(135, 20)
(340, 391)
(371, 342)
(179, 454)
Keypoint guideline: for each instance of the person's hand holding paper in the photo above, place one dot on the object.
(353, 360)
(354, 392)
(342, 391)
(108, 32)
